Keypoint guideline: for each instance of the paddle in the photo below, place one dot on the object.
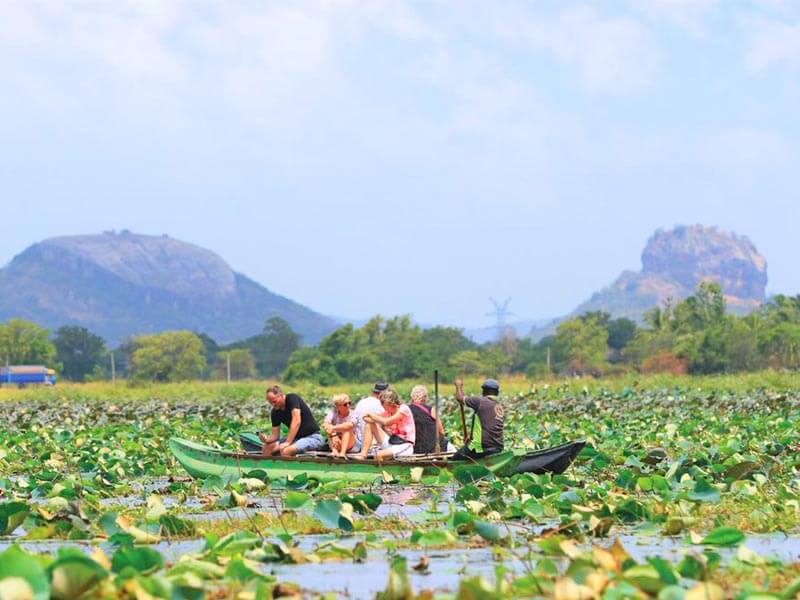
(460, 398)
(438, 446)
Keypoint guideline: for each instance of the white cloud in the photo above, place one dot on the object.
(771, 42)
(690, 15)
(611, 54)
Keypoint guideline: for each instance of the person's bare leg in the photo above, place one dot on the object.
(289, 450)
(336, 444)
(270, 449)
(371, 434)
(347, 437)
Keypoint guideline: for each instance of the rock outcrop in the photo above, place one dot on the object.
(124, 284)
(674, 263)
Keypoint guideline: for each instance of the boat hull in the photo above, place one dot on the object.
(203, 461)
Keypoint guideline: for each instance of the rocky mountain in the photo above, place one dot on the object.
(122, 284)
(674, 262)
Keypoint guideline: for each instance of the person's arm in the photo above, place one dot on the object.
(294, 427)
(460, 390)
(346, 426)
(389, 420)
(273, 437)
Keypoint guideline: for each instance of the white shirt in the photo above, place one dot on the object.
(367, 405)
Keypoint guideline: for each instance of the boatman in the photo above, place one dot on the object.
(290, 410)
(490, 412)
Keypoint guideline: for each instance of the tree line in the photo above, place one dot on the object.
(696, 335)
(77, 354)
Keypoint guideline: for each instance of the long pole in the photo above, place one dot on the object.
(113, 370)
(229, 367)
(438, 447)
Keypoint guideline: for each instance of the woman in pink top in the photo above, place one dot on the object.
(392, 431)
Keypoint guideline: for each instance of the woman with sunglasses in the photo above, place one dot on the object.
(343, 426)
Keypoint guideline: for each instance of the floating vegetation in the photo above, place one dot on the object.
(680, 493)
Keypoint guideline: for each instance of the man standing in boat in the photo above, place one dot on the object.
(290, 410)
(491, 414)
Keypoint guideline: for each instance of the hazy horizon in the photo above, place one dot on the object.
(393, 157)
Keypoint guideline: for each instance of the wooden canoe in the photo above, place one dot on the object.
(203, 461)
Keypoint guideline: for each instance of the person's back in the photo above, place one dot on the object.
(425, 426)
(491, 416)
(371, 404)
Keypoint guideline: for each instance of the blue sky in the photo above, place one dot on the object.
(369, 157)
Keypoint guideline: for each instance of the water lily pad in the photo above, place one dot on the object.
(12, 515)
(26, 574)
(74, 576)
(136, 560)
(724, 536)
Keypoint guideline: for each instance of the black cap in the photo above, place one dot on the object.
(491, 385)
(381, 386)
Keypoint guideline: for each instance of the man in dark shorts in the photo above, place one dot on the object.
(491, 415)
(292, 411)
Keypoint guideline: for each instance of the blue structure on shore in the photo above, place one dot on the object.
(27, 375)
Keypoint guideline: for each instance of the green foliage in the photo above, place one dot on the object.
(170, 356)
(26, 343)
(271, 348)
(584, 343)
(79, 351)
(382, 349)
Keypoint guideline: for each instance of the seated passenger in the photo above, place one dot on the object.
(372, 404)
(343, 426)
(292, 411)
(392, 431)
(427, 424)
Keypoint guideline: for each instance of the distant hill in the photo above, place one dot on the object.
(123, 284)
(674, 263)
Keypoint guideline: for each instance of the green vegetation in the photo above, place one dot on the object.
(26, 343)
(701, 464)
(79, 352)
(695, 336)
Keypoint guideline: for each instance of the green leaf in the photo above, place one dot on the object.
(365, 503)
(12, 514)
(704, 492)
(16, 567)
(136, 560)
(741, 470)
(468, 492)
(435, 537)
(488, 531)
(665, 571)
(724, 536)
(295, 500)
(334, 515)
(74, 576)
(471, 473)
(172, 525)
(298, 482)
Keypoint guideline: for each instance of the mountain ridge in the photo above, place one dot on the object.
(122, 284)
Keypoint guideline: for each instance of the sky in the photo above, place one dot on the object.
(374, 156)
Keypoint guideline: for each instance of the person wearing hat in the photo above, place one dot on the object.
(491, 414)
(372, 404)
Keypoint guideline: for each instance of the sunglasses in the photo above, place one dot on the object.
(345, 404)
